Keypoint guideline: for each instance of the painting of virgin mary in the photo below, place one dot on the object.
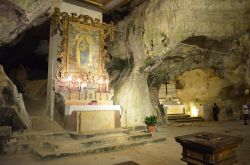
(84, 52)
(84, 49)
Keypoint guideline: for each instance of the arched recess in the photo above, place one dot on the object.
(219, 65)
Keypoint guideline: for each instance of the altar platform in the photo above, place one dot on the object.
(81, 118)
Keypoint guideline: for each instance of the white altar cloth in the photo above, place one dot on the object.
(70, 108)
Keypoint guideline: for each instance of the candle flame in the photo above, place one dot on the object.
(69, 78)
(83, 85)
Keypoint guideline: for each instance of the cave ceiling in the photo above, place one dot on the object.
(107, 5)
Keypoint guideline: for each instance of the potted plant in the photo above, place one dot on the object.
(151, 122)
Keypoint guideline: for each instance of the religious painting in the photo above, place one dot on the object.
(82, 45)
(83, 53)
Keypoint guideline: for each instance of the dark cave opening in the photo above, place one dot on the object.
(30, 50)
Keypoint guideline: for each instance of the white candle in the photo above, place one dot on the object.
(107, 86)
(82, 89)
(79, 84)
(83, 85)
(69, 81)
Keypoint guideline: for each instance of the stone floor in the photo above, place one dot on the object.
(164, 153)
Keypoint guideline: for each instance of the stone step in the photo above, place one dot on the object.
(177, 116)
(91, 134)
(136, 135)
(139, 128)
(94, 141)
(190, 119)
(62, 140)
(45, 154)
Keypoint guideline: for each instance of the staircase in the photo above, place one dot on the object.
(182, 118)
(60, 144)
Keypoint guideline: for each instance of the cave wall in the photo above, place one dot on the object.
(150, 37)
(154, 30)
(17, 16)
(165, 23)
(203, 88)
(200, 85)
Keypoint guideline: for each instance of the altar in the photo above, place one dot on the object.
(80, 77)
(171, 109)
(80, 118)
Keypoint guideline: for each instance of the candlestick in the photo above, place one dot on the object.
(100, 85)
(68, 86)
(82, 89)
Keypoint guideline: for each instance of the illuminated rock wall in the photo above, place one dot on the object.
(152, 33)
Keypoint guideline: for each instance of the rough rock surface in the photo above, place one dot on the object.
(12, 109)
(17, 16)
(157, 42)
(153, 35)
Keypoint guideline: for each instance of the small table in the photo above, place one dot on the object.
(206, 148)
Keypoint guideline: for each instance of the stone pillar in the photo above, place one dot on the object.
(52, 66)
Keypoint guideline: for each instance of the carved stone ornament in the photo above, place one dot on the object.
(82, 44)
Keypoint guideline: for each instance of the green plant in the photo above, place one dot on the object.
(150, 120)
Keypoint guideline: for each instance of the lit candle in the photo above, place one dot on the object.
(69, 81)
(79, 84)
(107, 86)
(83, 85)
(100, 85)
(82, 89)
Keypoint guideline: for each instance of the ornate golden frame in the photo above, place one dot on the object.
(60, 23)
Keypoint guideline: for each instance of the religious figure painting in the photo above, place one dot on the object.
(83, 54)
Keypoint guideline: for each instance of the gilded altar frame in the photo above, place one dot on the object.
(82, 44)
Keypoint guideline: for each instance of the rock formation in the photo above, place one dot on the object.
(163, 39)
(18, 16)
(12, 109)
(176, 40)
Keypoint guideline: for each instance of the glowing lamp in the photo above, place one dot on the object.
(194, 111)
